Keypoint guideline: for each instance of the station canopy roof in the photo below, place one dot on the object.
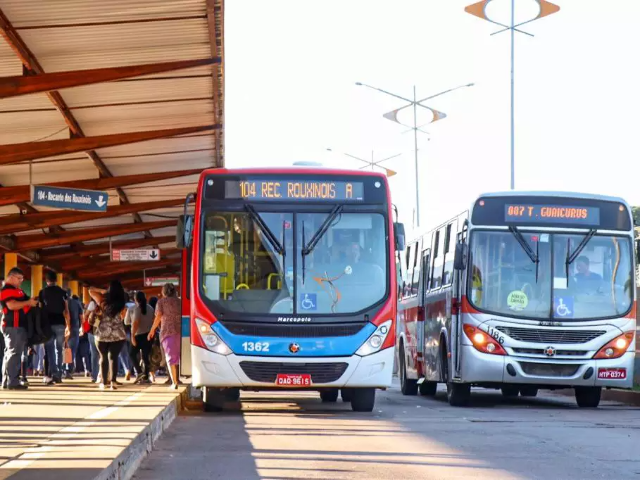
(123, 96)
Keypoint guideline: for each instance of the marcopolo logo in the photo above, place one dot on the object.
(294, 319)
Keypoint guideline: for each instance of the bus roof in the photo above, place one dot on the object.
(550, 193)
(292, 170)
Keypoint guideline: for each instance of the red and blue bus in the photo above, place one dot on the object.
(290, 283)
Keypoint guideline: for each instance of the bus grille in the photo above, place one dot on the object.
(293, 331)
(549, 369)
(267, 371)
(537, 335)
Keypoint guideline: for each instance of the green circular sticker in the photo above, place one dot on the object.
(517, 300)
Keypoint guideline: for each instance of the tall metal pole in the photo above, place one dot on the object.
(513, 159)
(415, 144)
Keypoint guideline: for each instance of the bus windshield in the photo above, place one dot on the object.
(256, 262)
(504, 280)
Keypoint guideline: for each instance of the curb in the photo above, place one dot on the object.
(629, 397)
(125, 465)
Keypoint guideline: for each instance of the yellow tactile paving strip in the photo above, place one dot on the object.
(73, 430)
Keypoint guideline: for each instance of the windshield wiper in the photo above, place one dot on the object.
(525, 246)
(571, 257)
(321, 231)
(265, 229)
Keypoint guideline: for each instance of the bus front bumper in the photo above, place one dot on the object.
(210, 369)
(482, 368)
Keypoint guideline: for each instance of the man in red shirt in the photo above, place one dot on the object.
(15, 305)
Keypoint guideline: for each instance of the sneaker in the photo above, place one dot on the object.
(18, 387)
(101, 386)
(47, 381)
(57, 379)
(113, 386)
(127, 377)
(25, 382)
(68, 376)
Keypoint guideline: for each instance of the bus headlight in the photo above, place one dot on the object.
(616, 347)
(212, 341)
(375, 341)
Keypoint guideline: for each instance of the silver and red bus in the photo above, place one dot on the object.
(291, 283)
(525, 291)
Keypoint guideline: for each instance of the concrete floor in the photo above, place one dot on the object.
(295, 436)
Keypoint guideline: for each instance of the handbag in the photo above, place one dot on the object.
(68, 354)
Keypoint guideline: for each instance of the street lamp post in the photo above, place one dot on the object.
(415, 103)
(479, 10)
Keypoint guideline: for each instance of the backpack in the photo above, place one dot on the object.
(38, 327)
(53, 299)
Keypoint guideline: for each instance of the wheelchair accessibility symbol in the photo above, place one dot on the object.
(563, 307)
(309, 302)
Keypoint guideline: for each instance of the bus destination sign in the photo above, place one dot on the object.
(527, 213)
(273, 190)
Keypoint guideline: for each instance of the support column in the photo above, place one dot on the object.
(60, 280)
(36, 280)
(86, 298)
(10, 261)
(73, 286)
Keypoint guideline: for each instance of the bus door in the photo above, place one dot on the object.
(184, 237)
(458, 284)
(422, 311)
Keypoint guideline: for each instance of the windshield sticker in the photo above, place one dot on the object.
(348, 270)
(309, 302)
(563, 307)
(559, 283)
(517, 300)
(544, 238)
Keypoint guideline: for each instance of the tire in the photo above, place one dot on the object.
(510, 391)
(329, 396)
(363, 399)
(232, 394)
(428, 389)
(458, 394)
(407, 386)
(213, 399)
(346, 394)
(528, 391)
(588, 397)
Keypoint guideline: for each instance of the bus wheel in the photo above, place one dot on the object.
(407, 385)
(346, 394)
(588, 397)
(329, 396)
(428, 388)
(528, 391)
(213, 399)
(510, 391)
(458, 394)
(363, 399)
(232, 394)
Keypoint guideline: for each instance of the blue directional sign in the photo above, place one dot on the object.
(69, 198)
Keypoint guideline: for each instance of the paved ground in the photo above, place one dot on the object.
(72, 431)
(295, 436)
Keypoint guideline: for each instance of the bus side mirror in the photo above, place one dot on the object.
(460, 258)
(184, 231)
(398, 229)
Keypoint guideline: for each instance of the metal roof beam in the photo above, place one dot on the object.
(22, 193)
(31, 242)
(31, 221)
(96, 249)
(125, 267)
(46, 82)
(22, 152)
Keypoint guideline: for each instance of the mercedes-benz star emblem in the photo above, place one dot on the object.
(294, 348)
(549, 351)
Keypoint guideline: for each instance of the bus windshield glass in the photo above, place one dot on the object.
(245, 271)
(597, 284)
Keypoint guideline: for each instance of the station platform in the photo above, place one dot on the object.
(76, 431)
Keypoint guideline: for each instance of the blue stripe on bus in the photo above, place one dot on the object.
(279, 347)
(186, 326)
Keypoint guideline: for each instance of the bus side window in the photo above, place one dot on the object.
(406, 281)
(433, 283)
(438, 260)
(416, 268)
(426, 264)
(450, 249)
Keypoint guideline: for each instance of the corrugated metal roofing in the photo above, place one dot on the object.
(68, 35)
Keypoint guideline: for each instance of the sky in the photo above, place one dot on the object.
(290, 94)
